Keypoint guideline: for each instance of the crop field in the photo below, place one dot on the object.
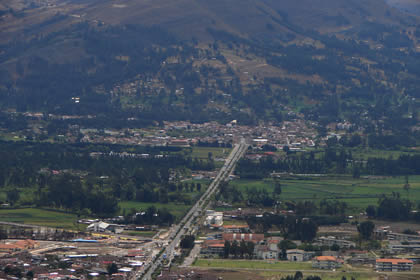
(357, 193)
(39, 217)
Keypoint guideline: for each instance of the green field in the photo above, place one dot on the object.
(358, 193)
(251, 264)
(203, 152)
(58, 219)
(40, 217)
(178, 210)
(326, 275)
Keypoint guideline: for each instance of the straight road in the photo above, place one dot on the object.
(186, 223)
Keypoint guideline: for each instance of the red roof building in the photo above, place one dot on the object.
(394, 265)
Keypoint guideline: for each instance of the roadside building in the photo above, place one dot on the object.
(213, 219)
(331, 240)
(105, 227)
(267, 250)
(212, 248)
(394, 265)
(236, 228)
(412, 246)
(402, 237)
(266, 253)
(326, 262)
(255, 238)
(296, 255)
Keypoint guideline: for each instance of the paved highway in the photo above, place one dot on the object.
(186, 223)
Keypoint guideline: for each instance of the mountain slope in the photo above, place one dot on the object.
(193, 18)
(183, 59)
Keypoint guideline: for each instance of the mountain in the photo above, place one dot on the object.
(252, 60)
(408, 6)
(193, 18)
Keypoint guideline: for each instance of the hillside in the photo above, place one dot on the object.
(328, 60)
(408, 6)
(193, 18)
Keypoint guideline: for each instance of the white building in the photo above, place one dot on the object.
(296, 255)
(213, 219)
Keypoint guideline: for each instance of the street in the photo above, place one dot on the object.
(186, 223)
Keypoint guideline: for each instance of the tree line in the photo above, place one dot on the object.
(329, 161)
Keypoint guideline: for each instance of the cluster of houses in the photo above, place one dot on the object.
(75, 259)
(267, 248)
(296, 134)
(9, 247)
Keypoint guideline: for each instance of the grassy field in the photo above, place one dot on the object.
(203, 152)
(325, 275)
(178, 210)
(278, 269)
(40, 217)
(358, 193)
(58, 219)
(251, 264)
(364, 154)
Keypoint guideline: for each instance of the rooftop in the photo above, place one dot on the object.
(393, 261)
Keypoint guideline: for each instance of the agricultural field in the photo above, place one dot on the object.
(41, 217)
(357, 193)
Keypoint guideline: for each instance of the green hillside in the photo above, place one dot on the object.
(218, 60)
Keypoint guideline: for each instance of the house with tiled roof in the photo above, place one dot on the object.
(326, 262)
(252, 237)
(394, 265)
(212, 248)
(235, 228)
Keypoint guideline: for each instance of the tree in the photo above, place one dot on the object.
(30, 274)
(243, 248)
(366, 229)
(285, 245)
(234, 248)
(187, 242)
(112, 268)
(226, 249)
(250, 248)
(13, 196)
(335, 247)
(277, 189)
(371, 211)
(406, 186)
(298, 275)
(356, 172)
